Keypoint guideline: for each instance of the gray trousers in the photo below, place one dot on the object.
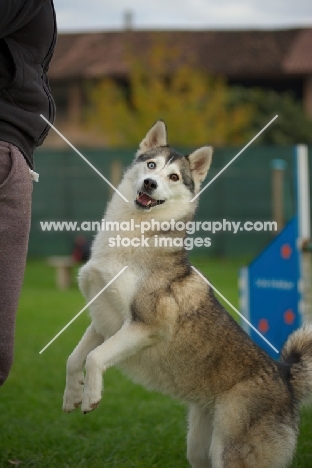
(15, 212)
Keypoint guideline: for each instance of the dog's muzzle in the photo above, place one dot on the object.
(144, 199)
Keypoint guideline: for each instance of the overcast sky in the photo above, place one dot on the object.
(77, 15)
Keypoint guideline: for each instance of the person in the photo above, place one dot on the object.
(27, 40)
(82, 249)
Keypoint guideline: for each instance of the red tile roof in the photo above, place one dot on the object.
(235, 54)
(299, 59)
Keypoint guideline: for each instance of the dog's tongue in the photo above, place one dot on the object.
(145, 199)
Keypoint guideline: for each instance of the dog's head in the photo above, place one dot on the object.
(162, 177)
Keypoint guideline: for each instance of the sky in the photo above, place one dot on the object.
(88, 15)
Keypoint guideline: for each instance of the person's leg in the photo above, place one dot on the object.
(15, 212)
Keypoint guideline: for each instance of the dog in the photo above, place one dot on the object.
(163, 326)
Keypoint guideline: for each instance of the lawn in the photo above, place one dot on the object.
(131, 428)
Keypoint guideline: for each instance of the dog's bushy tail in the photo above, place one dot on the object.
(297, 353)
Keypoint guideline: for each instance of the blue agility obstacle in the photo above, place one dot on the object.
(275, 286)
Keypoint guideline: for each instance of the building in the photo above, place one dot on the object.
(275, 59)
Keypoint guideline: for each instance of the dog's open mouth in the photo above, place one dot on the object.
(145, 201)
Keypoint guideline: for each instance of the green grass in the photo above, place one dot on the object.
(131, 428)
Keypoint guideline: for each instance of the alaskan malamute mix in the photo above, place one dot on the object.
(161, 324)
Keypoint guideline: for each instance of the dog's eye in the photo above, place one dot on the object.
(151, 165)
(174, 177)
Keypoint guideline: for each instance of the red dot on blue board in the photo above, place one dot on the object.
(289, 316)
(286, 251)
(263, 325)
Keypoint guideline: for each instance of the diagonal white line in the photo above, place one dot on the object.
(83, 157)
(167, 164)
(232, 160)
(235, 310)
(82, 310)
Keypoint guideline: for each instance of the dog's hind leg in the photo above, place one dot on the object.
(199, 437)
(74, 369)
(265, 445)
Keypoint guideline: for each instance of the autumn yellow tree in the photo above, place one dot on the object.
(197, 108)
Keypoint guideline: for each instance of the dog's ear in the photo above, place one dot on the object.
(155, 137)
(200, 162)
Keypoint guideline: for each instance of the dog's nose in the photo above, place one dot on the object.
(150, 184)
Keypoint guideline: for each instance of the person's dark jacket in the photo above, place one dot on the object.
(27, 40)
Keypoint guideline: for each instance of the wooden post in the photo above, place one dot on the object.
(304, 231)
(307, 96)
(278, 175)
(74, 103)
(115, 173)
(63, 268)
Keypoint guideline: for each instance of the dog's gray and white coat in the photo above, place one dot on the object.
(162, 325)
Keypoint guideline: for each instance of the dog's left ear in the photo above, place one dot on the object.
(155, 137)
(200, 162)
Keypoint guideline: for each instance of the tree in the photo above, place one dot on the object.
(197, 108)
(292, 125)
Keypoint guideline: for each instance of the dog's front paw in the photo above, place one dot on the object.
(93, 385)
(91, 400)
(73, 393)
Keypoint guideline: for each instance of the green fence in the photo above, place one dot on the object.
(69, 190)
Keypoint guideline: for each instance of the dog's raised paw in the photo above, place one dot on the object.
(71, 401)
(90, 403)
(73, 393)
